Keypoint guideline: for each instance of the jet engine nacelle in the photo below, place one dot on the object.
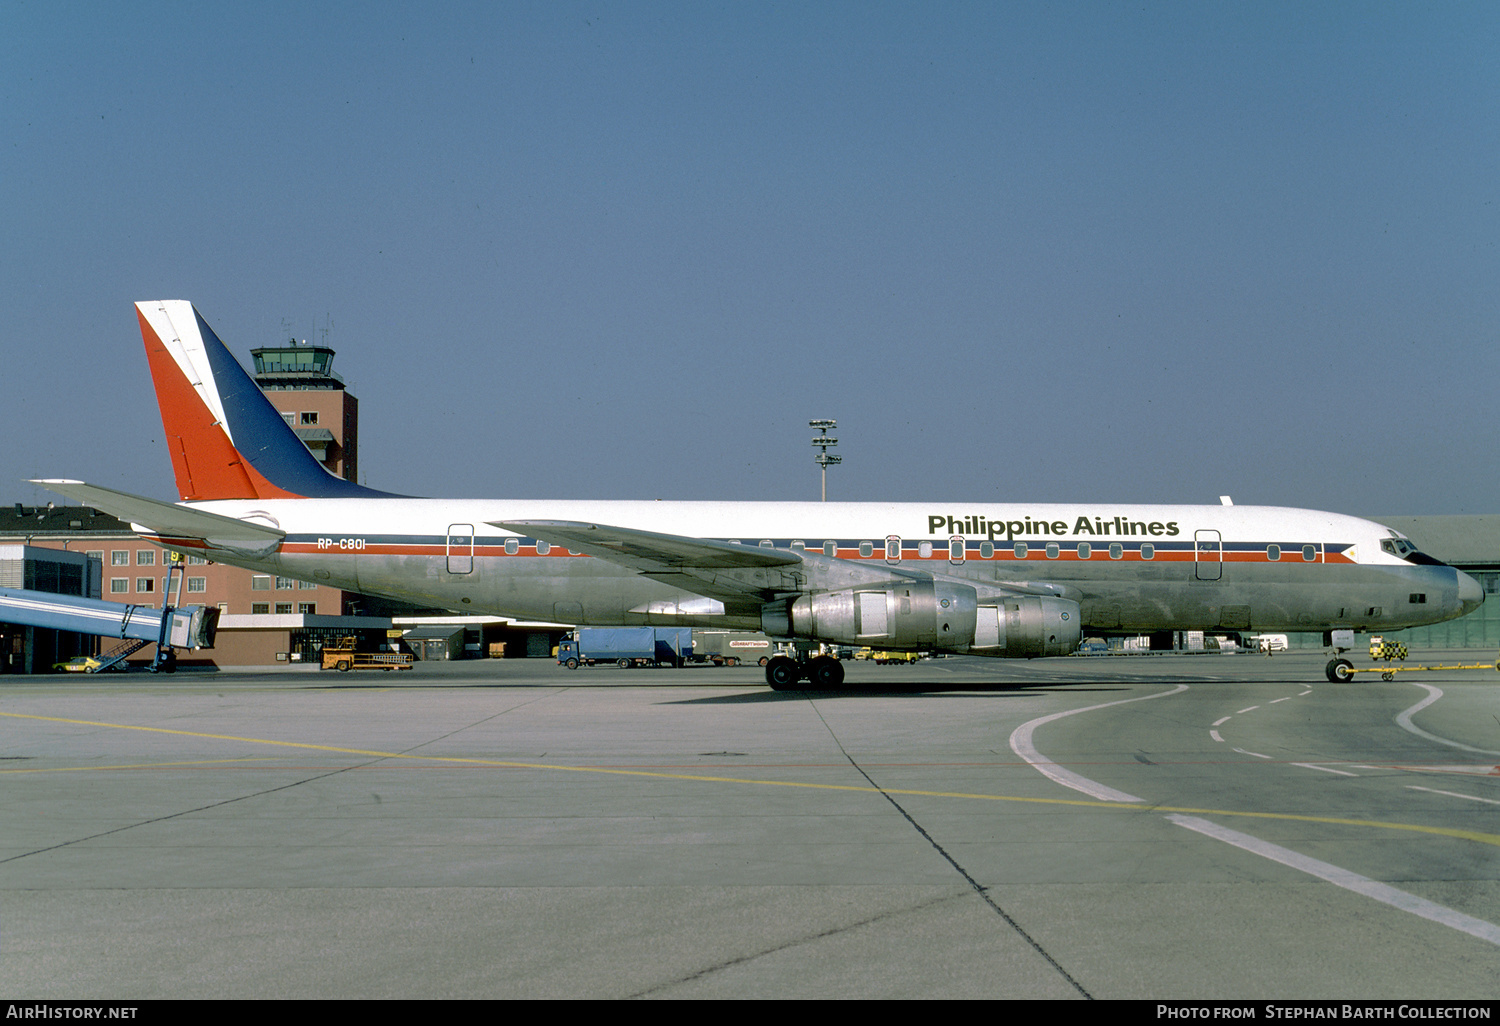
(907, 614)
(1026, 626)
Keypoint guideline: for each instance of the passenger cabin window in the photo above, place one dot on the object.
(1052, 550)
(1273, 553)
(1019, 549)
(986, 550)
(830, 548)
(1309, 553)
(866, 549)
(1148, 551)
(924, 550)
(1085, 550)
(1116, 550)
(542, 548)
(893, 549)
(512, 546)
(766, 543)
(798, 545)
(957, 550)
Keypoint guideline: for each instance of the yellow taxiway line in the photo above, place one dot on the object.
(1467, 835)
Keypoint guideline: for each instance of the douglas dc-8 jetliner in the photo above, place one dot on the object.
(983, 578)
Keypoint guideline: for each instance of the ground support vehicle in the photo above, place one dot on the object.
(731, 648)
(341, 656)
(1340, 669)
(626, 646)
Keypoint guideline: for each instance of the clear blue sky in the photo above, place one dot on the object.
(1021, 251)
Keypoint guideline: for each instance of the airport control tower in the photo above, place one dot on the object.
(300, 382)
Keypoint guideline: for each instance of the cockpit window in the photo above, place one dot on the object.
(1401, 548)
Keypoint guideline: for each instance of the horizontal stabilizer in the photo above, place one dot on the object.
(171, 522)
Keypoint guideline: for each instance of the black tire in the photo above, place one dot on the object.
(622, 663)
(825, 672)
(782, 674)
(342, 666)
(571, 664)
(1340, 671)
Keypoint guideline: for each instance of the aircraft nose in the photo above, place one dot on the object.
(1470, 593)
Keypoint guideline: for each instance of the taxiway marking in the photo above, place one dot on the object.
(1452, 794)
(1346, 879)
(1137, 806)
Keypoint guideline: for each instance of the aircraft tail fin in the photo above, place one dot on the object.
(226, 439)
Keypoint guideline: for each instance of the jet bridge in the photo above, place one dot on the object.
(189, 627)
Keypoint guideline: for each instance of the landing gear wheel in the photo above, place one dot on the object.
(1340, 671)
(825, 672)
(782, 674)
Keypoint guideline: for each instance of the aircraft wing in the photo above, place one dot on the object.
(171, 522)
(740, 576)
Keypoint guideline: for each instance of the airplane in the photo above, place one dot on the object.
(983, 578)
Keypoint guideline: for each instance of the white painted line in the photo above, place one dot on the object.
(1256, 754)
(1344, 878)
(1215, 735)
(1405, 723)
(1453, 794)
(1020, 743)
(1221, 721)
(1244, 711)
(1307, 692)
(1288, 698)
(1325, 769)
(1468, 771)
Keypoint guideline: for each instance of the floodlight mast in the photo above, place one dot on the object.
(823, 442)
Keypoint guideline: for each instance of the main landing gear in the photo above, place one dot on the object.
(822, 673)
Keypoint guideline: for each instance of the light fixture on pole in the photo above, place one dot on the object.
(824, 443)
